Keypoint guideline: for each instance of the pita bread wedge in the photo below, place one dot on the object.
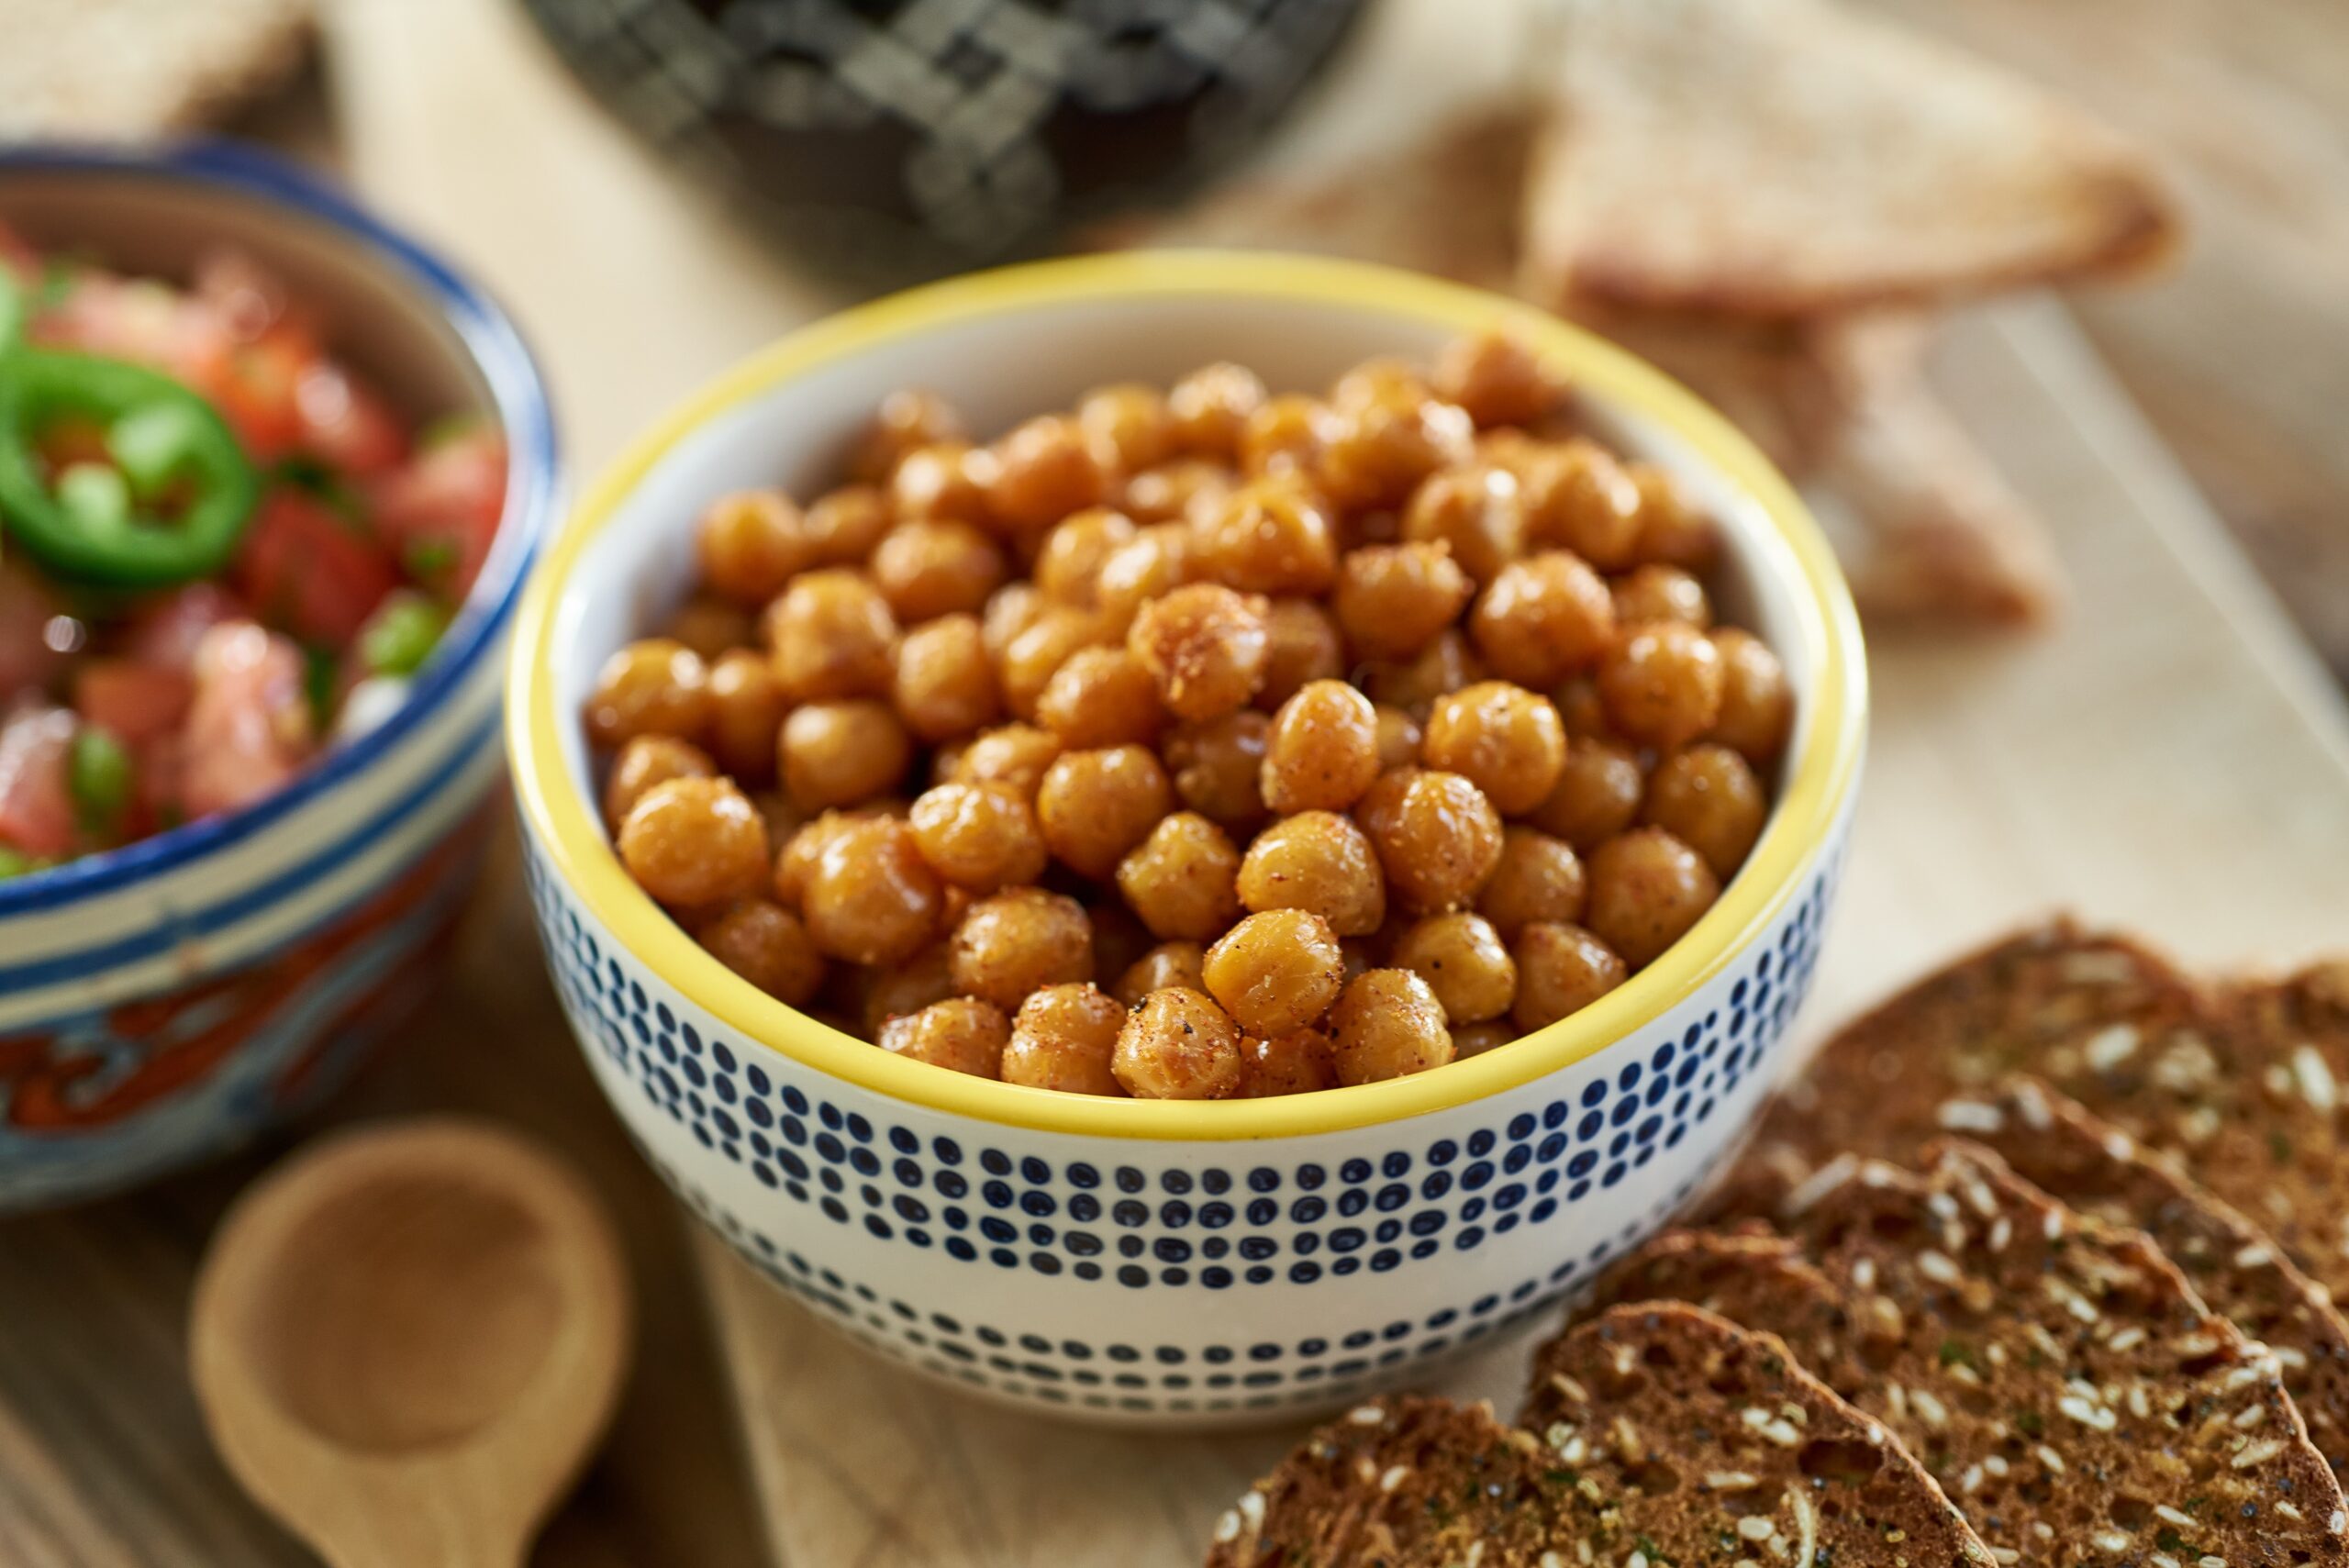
(1783, 158)
(139, 68)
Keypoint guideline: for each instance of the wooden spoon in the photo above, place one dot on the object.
(406, 1340)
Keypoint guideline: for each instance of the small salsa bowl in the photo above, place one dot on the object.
(1157, 1262)
(163, 1002)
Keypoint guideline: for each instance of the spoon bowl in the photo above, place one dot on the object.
(407, 1338)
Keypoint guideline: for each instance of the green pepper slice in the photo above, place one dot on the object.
(160, 434)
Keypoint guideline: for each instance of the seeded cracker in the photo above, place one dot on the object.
(2240, 1270)
(1676, 1439)
(2054, 1373)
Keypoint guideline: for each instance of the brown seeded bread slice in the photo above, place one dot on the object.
(2244, 1089)
(2238, 1269)
(1676, 1438)
(2057, 1374)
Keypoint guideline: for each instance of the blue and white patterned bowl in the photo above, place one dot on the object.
(1157, 1262)
(169, 1000)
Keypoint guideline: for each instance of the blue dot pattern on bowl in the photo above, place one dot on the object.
(1113, 1227)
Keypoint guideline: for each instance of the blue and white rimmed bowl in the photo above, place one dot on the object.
(1156, 1262)
(169, 1000)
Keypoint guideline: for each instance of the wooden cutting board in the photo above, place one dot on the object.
(2169, 757)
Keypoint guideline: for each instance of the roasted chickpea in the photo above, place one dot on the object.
(1021, 940)
(1445, 664)
(1383, 444)
(1286, 435)
(1155, 562)
(945, 686)
(1321, 862)
(1095, 805)
(1014, 754)
(1177, 1045)
(838, 753)
(1597, 794)
(1393, 598)
(1757, 710)
(1208, 411)
(1277, 971)
(979, 836)
(934, 567)
(1068, 564)
(1473, 511)
(905, 420)
(1387, 1025)
(1180, 879)
(648, 760)
(1708, 797)
(1184, 491)
(1271, 536)
(651, 687)
(950, 480)
(1305, 648)
(1045, 469)
(1383, 375)
(746, 704)
(1561, 969)
(1659, 593)
(751, 544)
(1578, 498)
(907, 988)
(1128, 425)
(711, 627)
(1063, 1038)
(1100, 697)
(1205, 646)
(765, 944)
(1498, 380)
(869, 897)
(1323, 752)
(1542, 619)
(1216, 767)
(1577, 700)
(831, 635)
(1399, 737)
(1010, 610)
(1502, 739)
(1671, 531)
(1436, 834)
(1662, 686)
(1539, 878)
(963, 1033)
(1475, 1039)
(796, 862)
(1464, 964)
(1036, 654)
(1295, 1063)
(844, 526)
(1646, 889)
(691, 841)
(1167, 964)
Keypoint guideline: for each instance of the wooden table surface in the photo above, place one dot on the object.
(2171, 757)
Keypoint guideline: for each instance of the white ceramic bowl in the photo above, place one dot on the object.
(1159, 1262)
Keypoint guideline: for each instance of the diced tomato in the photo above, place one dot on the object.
(318, 574)
(446, 503)
(244, 298)
(162, 800)
(254, 388)
(167, 628)
(136, 320)
(27, 663)
(137, 702)
(249, 728)
(17, 255)
(36, 796)
(345, 425)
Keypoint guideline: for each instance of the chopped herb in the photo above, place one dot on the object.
(98, 773)
(429, 557)
(320, 672)
(2279, 1149)
(14, 862)
(323, 484)
(2029, 1423)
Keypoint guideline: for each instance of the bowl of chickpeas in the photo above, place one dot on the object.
(1171, 838)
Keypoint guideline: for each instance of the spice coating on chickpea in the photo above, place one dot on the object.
(869, 897)
(1387, 1025)
(1463, 962)
(1383, 444)
(962, 1034)
(1296, 1063)
(648, 760)
(1271, 537)
(1323, 750)
(1561, 969)
(1179, 881)
(1321, 862)
(1015, 754)
(1709, 798)
(691, 841)
(1662, 685)
(1067, 570)
(1167, 964)
(1646, 889)
(765, 944)
(1095, 805)
(1205, 646)
(831, 635)
(653, 687)
(1476, 514)
(1152, 565)
(1539, 878)
(1100, 697)
(1392, 598)
(980, 837)
(1218, 768)
(1036, 652)
(1277, 971)
(1020, 940)
(1502, 739)
(1178, 1045)
(1064, 1038)
(1542, 619)
(1436, 834)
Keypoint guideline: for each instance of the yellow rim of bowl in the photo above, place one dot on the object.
(573, 839)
